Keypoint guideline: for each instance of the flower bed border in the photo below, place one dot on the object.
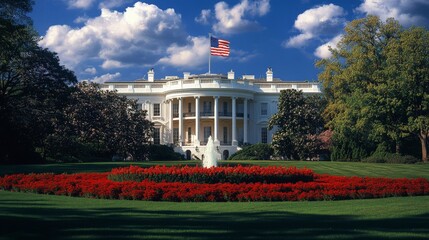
(324, 187)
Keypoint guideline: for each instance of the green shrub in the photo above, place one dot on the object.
(163, 153)
(260, 151)
(350, 146)
(384, 157)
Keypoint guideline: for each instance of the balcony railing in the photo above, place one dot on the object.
(210, 114)
(206, 114)
(189, 114)
(225, 114)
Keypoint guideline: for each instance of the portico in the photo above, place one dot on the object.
(195, 118)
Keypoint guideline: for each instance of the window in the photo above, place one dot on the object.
(189, 135)
(207, 107)
(264, 109)
(189, 107)
(264, 135)
(207, 133)
(175, 135)
(156, 136)
(175, 110)
(225, 108)
(156, 109)
(225, 135)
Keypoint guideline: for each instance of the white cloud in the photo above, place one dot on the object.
(84, 4)
(104, 78)
(204, 17)
(315, 22)
(193, 54)
(407, 12)
(81, 19)
(235, 19)
(323, 50)
(139, 36)
(72, 45)
(298, 40)
(91, 70)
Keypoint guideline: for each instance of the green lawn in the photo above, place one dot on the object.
(334, 168)
(31, 216)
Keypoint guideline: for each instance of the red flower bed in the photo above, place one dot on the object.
(237, 174)
(324, 187)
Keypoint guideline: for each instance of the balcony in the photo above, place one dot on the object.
(188, 114)
(210, 114)
(225, 114)
(192, 114)
(206, 114)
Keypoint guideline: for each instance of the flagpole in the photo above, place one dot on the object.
(210, 55)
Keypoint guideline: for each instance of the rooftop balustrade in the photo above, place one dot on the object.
(203, 83)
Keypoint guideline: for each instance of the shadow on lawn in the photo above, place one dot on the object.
(83, 167)
(19, 221)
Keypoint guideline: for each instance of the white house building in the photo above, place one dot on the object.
(186, 111)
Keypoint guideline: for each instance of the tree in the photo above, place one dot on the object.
(413, 56)
(33, 85)
(298, 121)
(103, 121)
(15, 11)
(376, 83)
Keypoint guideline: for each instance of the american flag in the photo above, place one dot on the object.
(219, 47)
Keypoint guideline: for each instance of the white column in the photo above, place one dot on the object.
(245, 119)
(216, 119)
(170, 123)
(197, 121)
(234, 124)
(148, 108)
(180, 123)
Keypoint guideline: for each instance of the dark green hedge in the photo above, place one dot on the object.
(259, 151)
(163, 153)
(384, 157)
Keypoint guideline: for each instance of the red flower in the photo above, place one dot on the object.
(322, 187)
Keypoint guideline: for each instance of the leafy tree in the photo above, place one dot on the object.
(33, 85)
(15, 11)
(298, 121)
(408, 60)
(41, 110)
(109, 123)
(376, 83)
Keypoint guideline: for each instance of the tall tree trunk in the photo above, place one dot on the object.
(423, 140)
(398, 147)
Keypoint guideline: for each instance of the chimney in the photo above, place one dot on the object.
(186, 75)
(269, 74)
(231, 74)
(151, 75)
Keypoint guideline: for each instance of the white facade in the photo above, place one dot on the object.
(231, 110)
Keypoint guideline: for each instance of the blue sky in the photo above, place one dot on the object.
(121, 40)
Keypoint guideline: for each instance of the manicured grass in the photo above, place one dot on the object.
(26, 215)
(333, 168)
(31, 216)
